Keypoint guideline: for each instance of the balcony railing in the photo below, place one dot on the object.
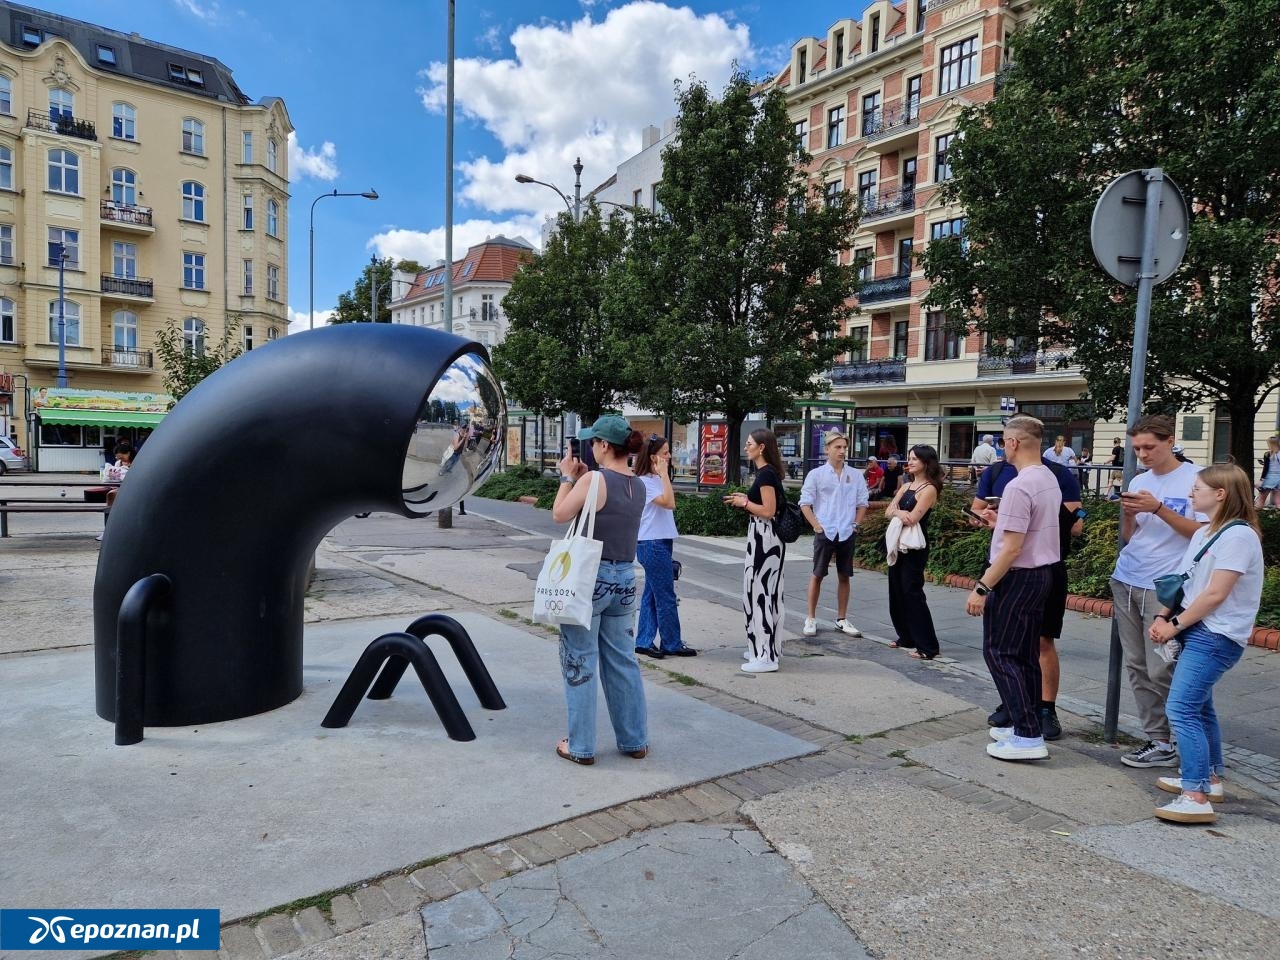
(124, 213)
(120, 357)
(1022, 364)
(887, 122)
(128, 286)
(67, 126)
(868, 371)
(888, 203)
(887, 288)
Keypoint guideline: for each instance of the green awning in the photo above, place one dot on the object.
(101, 418)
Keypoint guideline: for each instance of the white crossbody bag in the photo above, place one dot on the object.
(567, 582)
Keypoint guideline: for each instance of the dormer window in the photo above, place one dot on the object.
(32, 36)
(875, 32)
(838, 53)
(802, 66)
(195, 77)
(177, 73)
(106, 55)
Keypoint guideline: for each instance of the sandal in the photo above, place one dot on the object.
(917, 655)
(895, 645)
(562, 750)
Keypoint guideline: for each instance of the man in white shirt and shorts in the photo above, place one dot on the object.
(834, 500)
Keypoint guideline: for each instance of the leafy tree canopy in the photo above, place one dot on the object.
(354, 305)
(1098, 88)
(186, 363)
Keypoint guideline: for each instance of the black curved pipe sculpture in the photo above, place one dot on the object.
(438, 624)
(231, 495)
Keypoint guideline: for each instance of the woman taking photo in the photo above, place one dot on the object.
(1221, 599)
(762, 574)
(908, 608)
(606, 648)
(659, 615)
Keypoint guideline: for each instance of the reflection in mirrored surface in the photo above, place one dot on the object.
(458, 438)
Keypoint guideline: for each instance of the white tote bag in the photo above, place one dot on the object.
(567, 582)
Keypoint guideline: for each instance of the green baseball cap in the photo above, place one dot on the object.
(610, 428)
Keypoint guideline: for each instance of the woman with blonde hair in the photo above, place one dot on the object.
(1220, 602)
(1269, 482)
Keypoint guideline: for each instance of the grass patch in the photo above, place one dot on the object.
(684, 678)
(876, 736)
(853, 738)
(1098, 736)
(509, 614)
(898, 754)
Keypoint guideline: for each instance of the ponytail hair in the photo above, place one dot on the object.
(634, 444)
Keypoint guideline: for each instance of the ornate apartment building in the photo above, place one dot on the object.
(158, 190)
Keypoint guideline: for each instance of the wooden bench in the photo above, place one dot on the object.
(10, 505)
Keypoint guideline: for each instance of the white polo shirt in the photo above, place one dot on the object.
(835, 498)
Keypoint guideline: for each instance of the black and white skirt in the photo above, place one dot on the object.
(762, 590)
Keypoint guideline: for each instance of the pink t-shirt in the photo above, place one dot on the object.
(1030, 505)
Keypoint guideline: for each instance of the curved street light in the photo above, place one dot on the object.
(311, 265)
(575, 208)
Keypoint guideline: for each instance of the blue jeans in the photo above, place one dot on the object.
(607, 647)
(658, 612)
(1205, 657)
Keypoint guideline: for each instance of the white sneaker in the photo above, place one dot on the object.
(98, 538)
(844, 626)
(1174, 785)
(1186, 810)
(810, 627)
(1000, 733)
(760, 666)
(1011, 750)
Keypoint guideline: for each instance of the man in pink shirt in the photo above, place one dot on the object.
(1011, 595)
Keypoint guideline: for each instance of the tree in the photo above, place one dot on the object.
(1097, 88)
(738, 277)
(567, 345)
(185, 363)
(353, 306)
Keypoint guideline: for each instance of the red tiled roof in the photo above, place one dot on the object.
(493, 261)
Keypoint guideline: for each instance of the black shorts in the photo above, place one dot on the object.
(824, 549)
(1055, 604)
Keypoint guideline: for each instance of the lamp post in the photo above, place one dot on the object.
(62, 315)
(311, 265)
(574, 206)
(373, 288)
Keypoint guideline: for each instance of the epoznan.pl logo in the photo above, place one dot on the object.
(109, 929)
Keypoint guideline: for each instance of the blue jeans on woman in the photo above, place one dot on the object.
(658, 612)
(1205, 657)
(607, 647)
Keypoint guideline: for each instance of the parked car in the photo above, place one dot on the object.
(11, 457)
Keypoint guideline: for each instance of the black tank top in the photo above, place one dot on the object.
(618, 521)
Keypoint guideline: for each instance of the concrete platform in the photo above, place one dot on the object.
(254, 813)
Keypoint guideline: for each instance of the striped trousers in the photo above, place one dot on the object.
(1011, 643)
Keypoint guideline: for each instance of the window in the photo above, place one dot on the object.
(912, 105)
(947, 228)
(867, 188)
(654, 205)
(195, 77)
(921, 6)
(247, 203)
(905, 246)
(800, 135)
(802, 66)
(71, 321)
(273, 282)
(192, 201)
(272, 333)
(835, 126)
(488, 311)
(832, 193)
(248, 337)
(67, 241)
(64, 172)
(635, 198)
(124, 187)
(124, 330)
(106, 55)
(957, 63)
(838, 60)
(124, 122)
(865, 262)
(273, 154)
(248, 278)
(6, 95)
(908, 179)
(858, 350)
(193, 271)
(8, 321)
(273, 218)
(192, 136)
(942, 157)
(246, 151)
(124, 260)
(875, 32)
(32, 36)
(62, 104)
(900, 339)
(6, 168)
(939, 342)
(193, 336)
(871, 115)
(6, 244)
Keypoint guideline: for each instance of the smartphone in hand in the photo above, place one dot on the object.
(977, 516)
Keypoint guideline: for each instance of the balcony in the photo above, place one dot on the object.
(868, 371)
(122, 359)
(889, 128)
(128, 286)
(889, 205)
(1022, 364)
(885, 289)
(62, 124)
(127, 215)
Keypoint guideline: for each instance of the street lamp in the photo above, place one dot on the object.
(575, 208)
(62, 312)
(373, 288)
(311, 269)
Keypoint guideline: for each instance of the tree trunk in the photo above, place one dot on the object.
(733, 455)
(1243, 418)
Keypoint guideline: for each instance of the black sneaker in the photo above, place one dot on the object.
(1050, 728)
(1150, 754)
(1000, 717)
(651, 652)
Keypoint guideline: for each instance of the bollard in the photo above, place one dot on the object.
(444, 518)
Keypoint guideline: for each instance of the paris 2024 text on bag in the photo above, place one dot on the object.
(566, 585)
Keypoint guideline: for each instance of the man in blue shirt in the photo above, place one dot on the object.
(1071, 522)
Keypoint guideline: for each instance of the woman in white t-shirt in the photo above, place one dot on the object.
(659, 615)
(1220, 603)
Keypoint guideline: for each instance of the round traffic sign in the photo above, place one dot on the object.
(1116, 230)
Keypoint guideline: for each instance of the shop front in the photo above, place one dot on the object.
(76, 431)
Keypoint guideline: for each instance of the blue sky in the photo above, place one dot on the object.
(538, 83)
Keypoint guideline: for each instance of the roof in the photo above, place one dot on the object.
(493, 261)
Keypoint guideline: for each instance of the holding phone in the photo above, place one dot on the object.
(575, 448)
(992, 502)
(977, 516)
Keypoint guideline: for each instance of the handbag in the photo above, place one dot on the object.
(676, 568)
(1169, 586)
(564, 595)
(789, 523)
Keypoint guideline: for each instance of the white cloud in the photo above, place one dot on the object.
(208, 12)
(581, 89)
(427, 247)
(319, 165)
(298, 319)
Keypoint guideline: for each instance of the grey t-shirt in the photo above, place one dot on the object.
(618, 521)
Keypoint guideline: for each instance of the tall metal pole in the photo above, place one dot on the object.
(311, 262)
(577, 191)
(373, 289)
(445, 517)
(62, 315)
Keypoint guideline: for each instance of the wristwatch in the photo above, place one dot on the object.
(1081, 513)
(1175, 622)
(564, 479)
(981, 589)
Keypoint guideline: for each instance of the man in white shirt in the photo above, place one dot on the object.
(1061, 453)
(984, 454)
(1158, 522)
(834, 501)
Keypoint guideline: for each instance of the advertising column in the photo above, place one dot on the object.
(714, 454)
